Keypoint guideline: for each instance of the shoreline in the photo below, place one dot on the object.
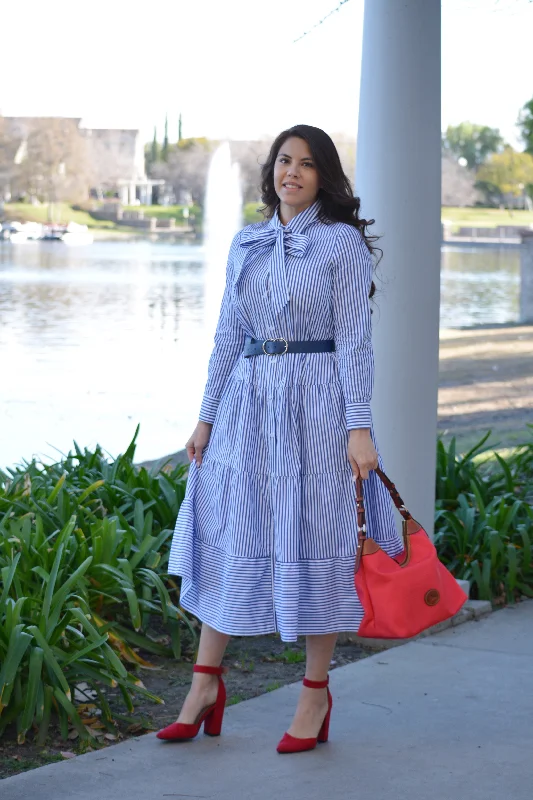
(486, 244)
(118, 235)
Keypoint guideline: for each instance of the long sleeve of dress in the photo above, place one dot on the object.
(352, 325)
(229, 343)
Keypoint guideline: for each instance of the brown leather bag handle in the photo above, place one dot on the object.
(410, 525)
(361, 517)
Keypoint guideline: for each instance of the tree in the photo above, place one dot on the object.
(250, 155)
(474, 143)
(193, 141)
(508, 172)
(186, 168)
(154, 151)
(54, 161)
(164, 149)
(525, 123)
(8, 151)
(180, 134)
(458, 183)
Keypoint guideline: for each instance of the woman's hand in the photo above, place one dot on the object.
(198, 441)
(362, 454)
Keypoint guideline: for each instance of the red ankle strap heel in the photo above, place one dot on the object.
(316, 684)
(293, 744)
(211, 716)
(210, 670)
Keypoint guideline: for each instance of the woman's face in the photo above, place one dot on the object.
(296, 179)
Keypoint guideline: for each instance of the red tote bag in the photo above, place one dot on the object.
(404, 595)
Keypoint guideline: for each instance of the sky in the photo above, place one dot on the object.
(234, 70)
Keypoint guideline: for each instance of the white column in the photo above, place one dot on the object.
(398, 178)
(526, 278)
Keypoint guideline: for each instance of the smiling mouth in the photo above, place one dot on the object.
(291, 186)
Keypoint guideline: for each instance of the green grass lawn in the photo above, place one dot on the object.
(166, 212)
(64, 213)
(485, 217)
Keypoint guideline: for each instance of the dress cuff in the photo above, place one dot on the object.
(358, 415)
(208, 409)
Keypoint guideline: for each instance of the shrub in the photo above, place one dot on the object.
(484, 519)
(83, 552)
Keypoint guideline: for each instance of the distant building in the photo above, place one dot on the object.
(115, 157)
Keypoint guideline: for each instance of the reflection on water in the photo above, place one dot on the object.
(95, 339)
(479, 285)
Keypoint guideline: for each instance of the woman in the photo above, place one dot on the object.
(266, 536)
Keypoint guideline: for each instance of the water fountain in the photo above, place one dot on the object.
(222, 220)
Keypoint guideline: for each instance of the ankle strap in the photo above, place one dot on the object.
(316, 684)
(210, 670)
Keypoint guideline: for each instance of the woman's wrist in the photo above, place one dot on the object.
(359, 432)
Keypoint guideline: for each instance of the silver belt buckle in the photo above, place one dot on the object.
(277, 339)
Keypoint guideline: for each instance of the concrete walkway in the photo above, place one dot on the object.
(443, 717)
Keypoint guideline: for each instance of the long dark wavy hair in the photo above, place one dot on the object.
(338, 203)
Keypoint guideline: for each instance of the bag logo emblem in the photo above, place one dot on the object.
(432, 597)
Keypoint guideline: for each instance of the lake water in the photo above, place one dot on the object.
(96, 339)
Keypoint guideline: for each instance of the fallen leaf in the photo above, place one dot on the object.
(136, 727)
(67, 754)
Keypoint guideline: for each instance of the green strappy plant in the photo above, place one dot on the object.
(484, 518)
(83, 556)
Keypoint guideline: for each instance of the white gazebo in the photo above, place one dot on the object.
(138, 190)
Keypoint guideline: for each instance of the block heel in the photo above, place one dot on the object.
(211, 716)
(293, 744)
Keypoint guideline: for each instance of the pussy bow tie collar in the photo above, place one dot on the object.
(283, 240)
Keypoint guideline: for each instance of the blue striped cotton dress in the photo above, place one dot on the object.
(266, 536)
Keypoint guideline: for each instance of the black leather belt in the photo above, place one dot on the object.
(280, 346)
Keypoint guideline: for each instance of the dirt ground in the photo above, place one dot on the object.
(256, 665)
(486, 382)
